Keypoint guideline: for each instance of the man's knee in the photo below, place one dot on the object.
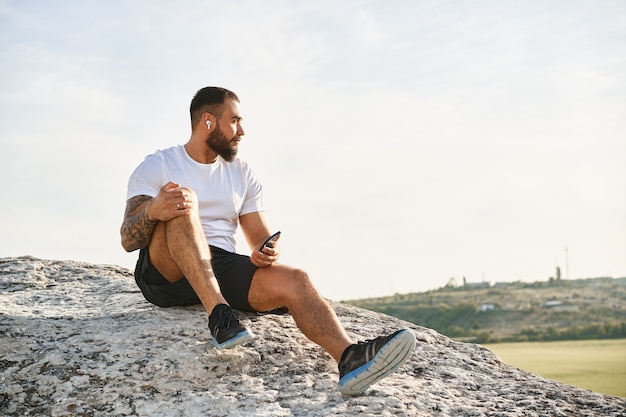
(301, 276)
(191, 198)
(299, 282)
(191, 194)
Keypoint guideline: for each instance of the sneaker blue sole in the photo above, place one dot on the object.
(240, 338)
(388, 359)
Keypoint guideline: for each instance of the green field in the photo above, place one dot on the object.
(596, 365)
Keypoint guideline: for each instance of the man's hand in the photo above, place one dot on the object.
(267, 257)
(256, 229)
(171, 201)
(144, 212)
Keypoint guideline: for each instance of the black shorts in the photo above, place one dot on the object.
(233, 272)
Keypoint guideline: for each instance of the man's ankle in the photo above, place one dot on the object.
(218, 307)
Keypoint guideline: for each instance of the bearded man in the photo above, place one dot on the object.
(183, 207)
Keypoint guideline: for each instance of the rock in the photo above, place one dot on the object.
(79, 340)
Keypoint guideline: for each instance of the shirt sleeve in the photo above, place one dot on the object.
(147, 179)
(254, 194)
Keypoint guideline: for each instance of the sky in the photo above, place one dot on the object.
(401, 145)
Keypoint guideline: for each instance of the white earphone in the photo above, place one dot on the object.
(208, 124)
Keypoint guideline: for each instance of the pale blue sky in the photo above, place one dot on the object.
(400, 143)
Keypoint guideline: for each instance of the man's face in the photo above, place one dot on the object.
(222, 145)
(224, 139)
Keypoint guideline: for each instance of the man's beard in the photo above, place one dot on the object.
(219, 143)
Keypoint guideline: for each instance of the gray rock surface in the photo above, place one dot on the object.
(78, 339)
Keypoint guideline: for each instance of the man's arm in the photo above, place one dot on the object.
(137, 229)
(171, 201)
(255, 227)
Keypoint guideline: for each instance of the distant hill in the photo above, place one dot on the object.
(593, 308)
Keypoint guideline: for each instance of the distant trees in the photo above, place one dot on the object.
(465, 322)
(591, 331)
(519, 311)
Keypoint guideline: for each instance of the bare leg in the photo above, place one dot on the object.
(280, 285)
(179, 249)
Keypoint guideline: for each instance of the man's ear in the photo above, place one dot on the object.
(208, 120)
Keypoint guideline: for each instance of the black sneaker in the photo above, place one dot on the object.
(367, 362)
(225, 328)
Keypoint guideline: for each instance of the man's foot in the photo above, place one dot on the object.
(225, 328)
(367, 362)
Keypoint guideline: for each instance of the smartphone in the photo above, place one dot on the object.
(269, 242)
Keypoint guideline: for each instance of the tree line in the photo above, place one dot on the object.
(464, 321)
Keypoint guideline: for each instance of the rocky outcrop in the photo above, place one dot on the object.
(79, 340)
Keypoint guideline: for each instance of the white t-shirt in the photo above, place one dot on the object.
(225, 190)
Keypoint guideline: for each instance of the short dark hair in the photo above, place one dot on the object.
(209, 100)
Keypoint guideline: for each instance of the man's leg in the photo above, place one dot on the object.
(178, 249)
(281, 285)
(360, 365)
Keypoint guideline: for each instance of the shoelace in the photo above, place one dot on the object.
(373, 341)
(225, 318)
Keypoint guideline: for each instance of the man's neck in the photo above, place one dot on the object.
(199, 152)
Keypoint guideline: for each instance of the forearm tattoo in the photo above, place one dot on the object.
(137, 229)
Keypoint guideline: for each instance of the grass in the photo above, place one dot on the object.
(596, 365)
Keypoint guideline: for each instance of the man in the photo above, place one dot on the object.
(183, 207)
